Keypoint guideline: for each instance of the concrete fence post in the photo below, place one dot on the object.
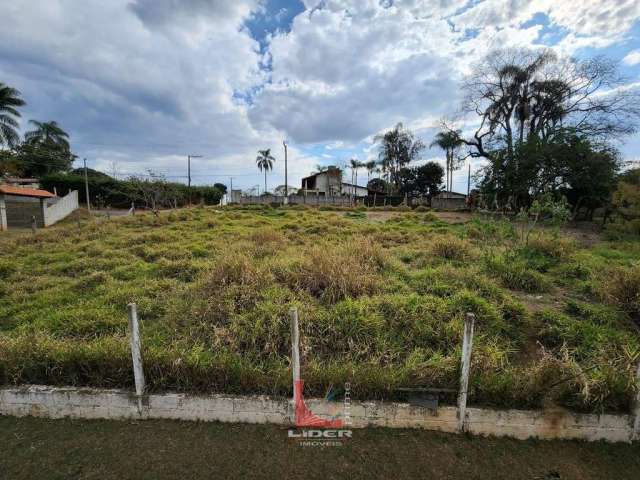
(635, 435)
(467, 343)
(295, 351)
(34, 224)
(136, 355)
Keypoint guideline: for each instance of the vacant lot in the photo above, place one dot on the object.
(381, 305)
(46, 449)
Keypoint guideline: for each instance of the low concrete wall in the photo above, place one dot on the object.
(448, 203)
(310, 199)
(61, 209)
(54, 402)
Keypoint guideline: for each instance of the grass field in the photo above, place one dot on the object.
(57, 449)
(381, 296)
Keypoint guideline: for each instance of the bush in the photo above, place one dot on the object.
(621, 287)
(552, 246)
(450, 247)
(515, 274)
(332, 273)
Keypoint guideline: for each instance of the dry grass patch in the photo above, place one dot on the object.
(333, 272)
(451, 248)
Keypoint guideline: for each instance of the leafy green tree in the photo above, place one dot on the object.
(221, 187)
(10, 164)
(9, 102)
(40, 159)
(397, 148)
(569, 165)
(379, 185)
(45, 150)
(423, 180)
(265, 160)
(533, 105)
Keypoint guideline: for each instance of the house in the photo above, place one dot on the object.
(329, 184)
(447, 200)
(355, 190)
(19, 206)
(22, 182)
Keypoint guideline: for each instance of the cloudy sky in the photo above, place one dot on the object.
(141, 84)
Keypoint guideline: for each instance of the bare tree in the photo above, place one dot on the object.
(153, 190)
(522, 94)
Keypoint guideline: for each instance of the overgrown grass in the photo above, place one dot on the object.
(381, 305)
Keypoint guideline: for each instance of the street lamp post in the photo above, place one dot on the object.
(286, 179)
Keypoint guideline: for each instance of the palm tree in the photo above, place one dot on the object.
(47, 133)
(449, 141)
(355, 164)
(371, 167)
(265, 160)
(397, 147)
(9, 101)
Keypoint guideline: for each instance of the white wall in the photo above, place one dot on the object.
(54, 402)
(61, 209)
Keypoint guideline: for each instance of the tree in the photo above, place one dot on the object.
(449, 141)
(355, 164)
(45, 150)
(379, 185)
(397, 148)
(280, 190)
(570, 166)
(40, 159)
(530, 103)
(9, 102)
(424, 180)
(221, 187)
(153, 190)
(47, 133)
(265, 160)
(10, 165)
(371, 167)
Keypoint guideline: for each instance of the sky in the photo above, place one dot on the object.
(141, 84)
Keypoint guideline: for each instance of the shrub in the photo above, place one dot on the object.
(515, 274)
(552, 246)
(621, 287)
(332, 273)
(450, 247)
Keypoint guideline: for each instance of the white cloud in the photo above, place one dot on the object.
(632, 58)
(146, 82)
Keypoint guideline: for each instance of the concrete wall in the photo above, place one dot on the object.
(448, 203)
(19, 211)
(61, 209)
(51, 402)
(296, 200)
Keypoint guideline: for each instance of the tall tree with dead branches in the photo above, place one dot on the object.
(527, 100)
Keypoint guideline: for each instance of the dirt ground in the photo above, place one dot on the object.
(33, 448)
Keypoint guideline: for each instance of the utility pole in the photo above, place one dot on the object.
(189, 157)
(231, 189)
(469, 181)
(86, 185)
(286, 180)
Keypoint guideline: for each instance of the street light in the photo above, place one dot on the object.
(286, 180)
